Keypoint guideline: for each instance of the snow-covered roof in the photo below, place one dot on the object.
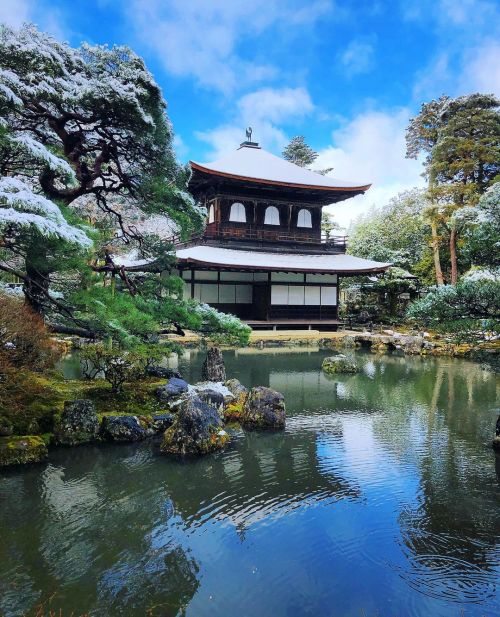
(250, 162)
(203, 255)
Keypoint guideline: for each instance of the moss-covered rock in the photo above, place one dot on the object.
(22, 450)
(233, 410)
(6, 427)
(197, 429)
(77, 424)
(338, 364)
(264, 408)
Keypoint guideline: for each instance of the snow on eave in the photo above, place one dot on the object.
(257, 165)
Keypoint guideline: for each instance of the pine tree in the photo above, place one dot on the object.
(299, 153)
(90, 124)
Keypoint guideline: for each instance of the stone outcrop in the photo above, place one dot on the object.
(264, 408)
(123, 429)
(338, 364)
(213, 368)
(496, 439)
(160, 422)
(197, 429)
(17, 450)
(233, 410)
(172, 390)
(77, 424)
(162, 372)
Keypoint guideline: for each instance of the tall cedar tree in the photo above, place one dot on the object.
(461, 140)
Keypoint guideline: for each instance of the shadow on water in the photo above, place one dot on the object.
(380, 497)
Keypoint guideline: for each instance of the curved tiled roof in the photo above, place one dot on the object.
(204, 255)
(252, 163)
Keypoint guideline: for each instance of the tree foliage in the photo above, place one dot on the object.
(82, 126)
(396, 233)
(469, 310)
(460, 139)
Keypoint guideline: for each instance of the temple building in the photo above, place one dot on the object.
(262, 256)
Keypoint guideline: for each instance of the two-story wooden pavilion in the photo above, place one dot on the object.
(262, 256)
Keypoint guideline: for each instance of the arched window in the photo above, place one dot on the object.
(272, 216)
(304, 218)
(237, 213)
(211, 214)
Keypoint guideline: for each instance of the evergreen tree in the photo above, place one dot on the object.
(299, 153)
(461, 140)
(90, 124)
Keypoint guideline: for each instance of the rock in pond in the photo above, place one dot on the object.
(22, 450)
(264, 408)
(213, 368)
(197, 429)
(161, 422)
(172, 390)
(214, 393)
(496, 439)
(78, 423)
(123, 428)
(234, 409)
(338, 364)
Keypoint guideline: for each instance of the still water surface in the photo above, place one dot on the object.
(381, 497)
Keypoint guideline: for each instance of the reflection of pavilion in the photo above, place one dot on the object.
(269, 475)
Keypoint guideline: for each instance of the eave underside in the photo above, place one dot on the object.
(208, 185)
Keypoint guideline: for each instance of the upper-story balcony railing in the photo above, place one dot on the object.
(265, 233)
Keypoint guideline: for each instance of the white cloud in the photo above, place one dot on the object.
(263, 110)
(202, 39)
(371, 148)
(481, 69)
(15, 12)
(275, 105)
(358, 56)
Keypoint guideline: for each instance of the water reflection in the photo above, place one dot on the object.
(381, 497)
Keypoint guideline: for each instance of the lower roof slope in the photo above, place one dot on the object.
(211, 256)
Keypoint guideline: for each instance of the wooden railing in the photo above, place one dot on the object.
(264, 233)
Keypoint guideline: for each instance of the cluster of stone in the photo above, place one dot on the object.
(338, 364)
(193, 421)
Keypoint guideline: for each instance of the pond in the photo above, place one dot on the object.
(381, 497)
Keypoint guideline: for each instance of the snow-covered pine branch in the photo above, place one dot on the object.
(23, 210)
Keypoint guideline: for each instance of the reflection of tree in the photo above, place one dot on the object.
(457, 517)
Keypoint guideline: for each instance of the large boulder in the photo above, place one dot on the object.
(496, 439)
(123, 428)
(162, 372)
(338, 364)
(214, 393)
(233, 410)
(162, 421)
(77, 424)
(213, 368)
(263, 408)
(22, 450)
(172, 390)
(6, 428)
(411, 345)
(197, 429)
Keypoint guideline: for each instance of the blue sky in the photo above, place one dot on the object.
(346, 75)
